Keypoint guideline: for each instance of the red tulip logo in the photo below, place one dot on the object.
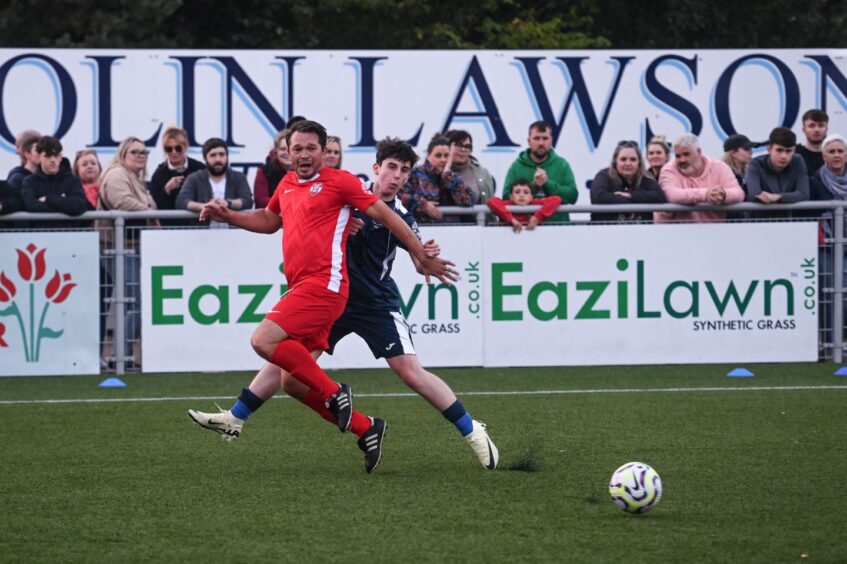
(59, 288)
(31, 264)
(7, 289)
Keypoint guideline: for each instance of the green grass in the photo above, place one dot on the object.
(749, 476)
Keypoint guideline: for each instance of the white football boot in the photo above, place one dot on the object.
(482, 446)
(224, 422)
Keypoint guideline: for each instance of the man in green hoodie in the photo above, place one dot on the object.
(549, 174)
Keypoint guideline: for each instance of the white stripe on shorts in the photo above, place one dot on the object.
(404, 333)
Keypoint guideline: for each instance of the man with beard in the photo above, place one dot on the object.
(693, 178)
(216, 183)
(550, 174)
(815, 128)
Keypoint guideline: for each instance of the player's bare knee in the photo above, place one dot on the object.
(263, 346)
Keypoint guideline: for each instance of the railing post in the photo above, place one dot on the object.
(838, 283)
(119, 295)
(480, 218)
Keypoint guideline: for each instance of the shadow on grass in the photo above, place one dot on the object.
(529, 461)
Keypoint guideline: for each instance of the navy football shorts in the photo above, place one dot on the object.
(386, 332)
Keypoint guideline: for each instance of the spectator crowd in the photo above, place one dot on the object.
(450, 175)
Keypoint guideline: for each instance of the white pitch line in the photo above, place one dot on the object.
(492, 393)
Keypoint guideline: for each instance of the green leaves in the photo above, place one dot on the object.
(425, 24)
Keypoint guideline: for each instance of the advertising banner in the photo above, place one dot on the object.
(204, 292)
(652, 294)
(49, 291)
(592, 99)
(572, 295)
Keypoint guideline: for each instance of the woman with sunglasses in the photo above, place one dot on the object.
(168, 177)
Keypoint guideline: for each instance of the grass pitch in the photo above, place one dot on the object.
(751, 469)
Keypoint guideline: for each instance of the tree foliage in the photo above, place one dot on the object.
(422, 24)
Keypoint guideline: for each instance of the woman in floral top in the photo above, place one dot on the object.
(434, 184)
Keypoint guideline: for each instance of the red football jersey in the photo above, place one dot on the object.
(315, 214)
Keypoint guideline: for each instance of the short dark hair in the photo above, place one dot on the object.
(540, 125)
(437, 139)
(292, 120)
(307, 126)
(49, 146)
(783, 137)
(214, 143)
(520, 182)
(458, 135)
(816, 115)
(395, 148)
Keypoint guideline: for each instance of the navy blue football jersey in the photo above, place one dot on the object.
(370, 257)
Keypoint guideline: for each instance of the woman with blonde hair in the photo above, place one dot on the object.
(122, 184)
(658, 155)
(122, 187)
(87, 168)
(332, 153)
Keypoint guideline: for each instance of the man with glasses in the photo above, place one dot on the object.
(217, 182)
(550, 174)
(168, 177)
(474, 175)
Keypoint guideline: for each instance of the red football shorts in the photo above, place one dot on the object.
(307, 313)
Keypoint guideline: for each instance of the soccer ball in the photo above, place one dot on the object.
(635, 487)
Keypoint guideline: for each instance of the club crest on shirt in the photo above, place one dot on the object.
(316, 187)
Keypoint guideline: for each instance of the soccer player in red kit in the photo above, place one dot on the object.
(314, 203)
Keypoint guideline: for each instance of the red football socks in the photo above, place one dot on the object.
(293, 357)
(359, 424)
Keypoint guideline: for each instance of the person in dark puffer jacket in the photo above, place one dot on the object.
(53, 188)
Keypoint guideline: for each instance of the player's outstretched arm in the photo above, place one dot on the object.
(258, 221)
(429, 265)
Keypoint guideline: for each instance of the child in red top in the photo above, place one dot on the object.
(521, 195)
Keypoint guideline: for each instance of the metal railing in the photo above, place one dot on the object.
(117, 305)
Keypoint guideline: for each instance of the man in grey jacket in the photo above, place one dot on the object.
(217, 182)
(780, 176)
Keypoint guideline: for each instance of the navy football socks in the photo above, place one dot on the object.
(457, 415)
(247, 403)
